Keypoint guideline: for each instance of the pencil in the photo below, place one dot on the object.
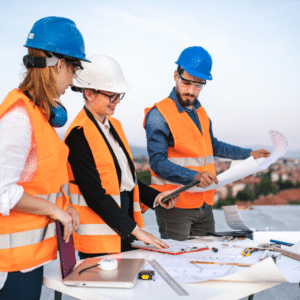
(264, 254)
(221, 263)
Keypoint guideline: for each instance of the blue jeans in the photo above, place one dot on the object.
(23, 286)
(178, 223)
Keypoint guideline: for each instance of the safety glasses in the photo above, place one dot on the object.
(187, 82)
(113, 98)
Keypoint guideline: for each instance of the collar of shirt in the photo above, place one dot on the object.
(104, 126)
(181, 108)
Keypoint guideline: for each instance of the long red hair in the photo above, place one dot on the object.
(41, 82)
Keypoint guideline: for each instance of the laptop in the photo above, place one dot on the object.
(88, 273)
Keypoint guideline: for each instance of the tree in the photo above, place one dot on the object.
(297, 185)
(284, 185)
(245, 195)
(229, 200)
(266, 187)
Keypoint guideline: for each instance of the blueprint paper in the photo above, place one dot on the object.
(250, 165)
(233, 218)
(182, 271)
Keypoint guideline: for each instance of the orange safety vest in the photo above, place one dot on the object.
(28, 240)
(191, 150)
(93, 234)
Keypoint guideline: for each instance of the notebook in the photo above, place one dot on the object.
(124, 276)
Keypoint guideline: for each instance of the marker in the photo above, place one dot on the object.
(212, 248)
(281, 243)
(264, 254)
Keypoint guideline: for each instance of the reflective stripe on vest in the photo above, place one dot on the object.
(76, 199)
(136, 207)
(25, 238)
(95, 229)
(160, 181)
(53, 196)
(192, 161)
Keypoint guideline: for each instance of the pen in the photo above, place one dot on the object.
(220, 263)
(264, 254)
(281, 243)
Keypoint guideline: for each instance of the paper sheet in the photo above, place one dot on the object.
(233, 218)
(250, 165)
(180, 268)
(182, 271)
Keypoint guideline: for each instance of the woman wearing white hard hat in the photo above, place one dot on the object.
(103, 184)
(33, 174)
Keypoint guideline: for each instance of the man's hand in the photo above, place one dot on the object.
(260, 153)
(206, 179)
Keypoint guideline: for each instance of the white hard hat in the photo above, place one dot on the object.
(103, 73)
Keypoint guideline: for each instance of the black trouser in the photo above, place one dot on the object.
(25, 286)
(179, 224)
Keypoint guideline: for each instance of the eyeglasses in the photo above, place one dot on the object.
(198, 85)
(113, 98)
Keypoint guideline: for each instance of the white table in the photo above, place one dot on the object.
(152, 290)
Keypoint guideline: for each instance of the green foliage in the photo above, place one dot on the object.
(297, 185)
(229, 200)
(266, 187)
(284, 185)
(245, 195)
(144, 177)
(294, 202)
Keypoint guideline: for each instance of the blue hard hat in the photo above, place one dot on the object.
(196, 61)
(57, 35)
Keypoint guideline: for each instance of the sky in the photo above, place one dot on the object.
(254, 45)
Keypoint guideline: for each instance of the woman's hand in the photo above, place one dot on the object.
(75, 217)
(170, 203)
(149, 238)
(65, 219)
(39, 206)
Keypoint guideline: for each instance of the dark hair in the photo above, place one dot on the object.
(80, 90)
(179, 70)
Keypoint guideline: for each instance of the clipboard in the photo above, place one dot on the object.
(180, 190)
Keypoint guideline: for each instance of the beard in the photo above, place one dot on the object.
(188, 102)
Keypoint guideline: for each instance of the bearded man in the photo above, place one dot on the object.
(181, 148)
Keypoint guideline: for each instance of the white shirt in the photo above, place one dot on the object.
(17, 157)
(127, 183)
(18, 162)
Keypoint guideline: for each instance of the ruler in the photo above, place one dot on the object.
(168, 279)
